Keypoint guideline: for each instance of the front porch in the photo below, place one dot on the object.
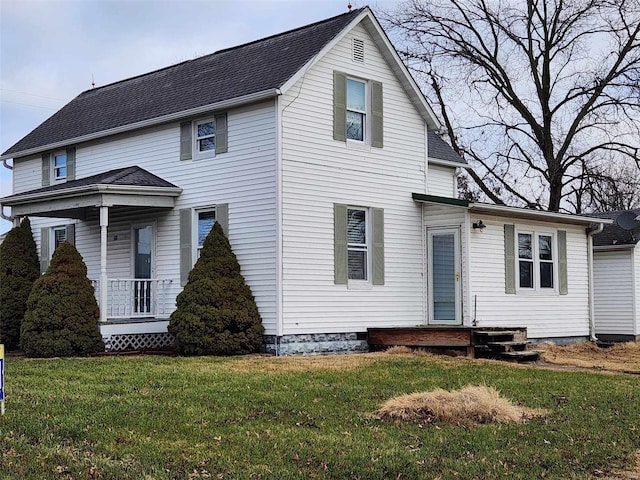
(135, 299)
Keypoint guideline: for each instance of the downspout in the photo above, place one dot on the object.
(6, 165)
(591, 231)
(2, 215)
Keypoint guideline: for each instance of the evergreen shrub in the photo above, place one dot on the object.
(216, 312)
(19, 268)
(62, 313)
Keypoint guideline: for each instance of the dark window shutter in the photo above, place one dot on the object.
(377, 252)
(376, 115)
(222, 217)
(221, 133)
(340, 254)
(340, 107)
(186, 255)
(71, 163)
(509, 259)
(563, 284)
(46, 169)
(186, 143)
(70, 233)
(44, 250)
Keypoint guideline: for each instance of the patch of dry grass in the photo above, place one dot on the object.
(621, 357)
(472, 405)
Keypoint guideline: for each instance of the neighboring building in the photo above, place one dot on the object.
(616, 271)
(317, 153)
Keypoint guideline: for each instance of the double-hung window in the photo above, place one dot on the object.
(536, 259)
(206, 220)
(59, 236)
(59, 166)
(356, 109)
(205, 136)
(357, 244)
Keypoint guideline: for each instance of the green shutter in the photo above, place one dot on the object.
(377, 260)
(44, 250)
(186, 142)
(509, 259)
(71, 163)
(46, 169)
(340, 255)
(376, 115)
(70, 233)
(340, 107)
(186, 255)
(222, 217)
(563, 283)
(221, 133)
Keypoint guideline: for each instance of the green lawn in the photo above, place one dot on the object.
(163, 418)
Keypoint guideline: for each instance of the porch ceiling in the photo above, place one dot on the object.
(124, 187)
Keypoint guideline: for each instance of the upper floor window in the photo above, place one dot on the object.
(205, 136)
(356, 109)
(60, 166)
(536, 260)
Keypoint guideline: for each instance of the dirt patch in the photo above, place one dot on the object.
(632, 474)
(472, 405)
(622, 357)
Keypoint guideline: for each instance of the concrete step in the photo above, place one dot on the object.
(521, 356)
(508, 346)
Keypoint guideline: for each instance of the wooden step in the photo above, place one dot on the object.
(508, 346)
(521, 356)
(494, 333)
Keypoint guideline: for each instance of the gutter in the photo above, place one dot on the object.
(591, 231)
(6, 165)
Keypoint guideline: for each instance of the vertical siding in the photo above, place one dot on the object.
(245, 178)
(613, 292)
(545, 314)
(318, 172)
(441, 181)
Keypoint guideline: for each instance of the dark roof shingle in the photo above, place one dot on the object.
(613, 234)
(441, 150)
(224, 75)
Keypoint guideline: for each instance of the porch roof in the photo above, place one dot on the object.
(511, 212)
(123, 187)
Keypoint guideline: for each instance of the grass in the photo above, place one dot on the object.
(205, 417)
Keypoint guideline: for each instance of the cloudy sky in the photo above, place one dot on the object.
(50, 50)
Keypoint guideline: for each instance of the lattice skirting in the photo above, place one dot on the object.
(137, 341)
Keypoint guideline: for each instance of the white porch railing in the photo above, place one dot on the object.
(135, 297)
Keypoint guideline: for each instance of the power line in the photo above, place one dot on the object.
(28, 104)
(30, 94)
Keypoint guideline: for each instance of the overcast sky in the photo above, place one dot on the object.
(50, 49)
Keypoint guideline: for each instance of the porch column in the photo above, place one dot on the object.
(104, 222)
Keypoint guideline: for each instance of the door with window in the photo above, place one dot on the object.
(444, 276)
(143, 246)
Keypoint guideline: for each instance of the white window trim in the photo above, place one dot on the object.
(52, 238)
(536, 233)
(365, 284)
(54, 177)
(195, 213)
(197, 154)
(366, 133)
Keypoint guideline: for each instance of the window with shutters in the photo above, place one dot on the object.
(58, 236)
(536, 260)
(204, 137)
(358, 244)
(357, 111)
(205, 221)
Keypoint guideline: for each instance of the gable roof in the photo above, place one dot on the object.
(614, 234)
(442, 152)
(260, 66)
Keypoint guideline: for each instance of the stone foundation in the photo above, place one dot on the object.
(316, 343)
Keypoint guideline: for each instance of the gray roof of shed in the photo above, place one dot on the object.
(441, 150)
(227, 74)
(613, 234)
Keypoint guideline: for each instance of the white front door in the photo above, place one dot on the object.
(443, 250)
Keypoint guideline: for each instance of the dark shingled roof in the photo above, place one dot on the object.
(235, 72)
(613, 234)
(127, 176)
(441, 150)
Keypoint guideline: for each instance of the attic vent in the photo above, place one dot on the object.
(357, 50)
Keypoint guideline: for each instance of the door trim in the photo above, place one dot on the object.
(134, 226)
(431, 231)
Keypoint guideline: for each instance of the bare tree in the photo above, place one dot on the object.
(533, 93)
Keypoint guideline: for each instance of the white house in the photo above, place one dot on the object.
(317, 152)
(616, 271)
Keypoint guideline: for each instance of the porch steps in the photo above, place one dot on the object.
(502, 345)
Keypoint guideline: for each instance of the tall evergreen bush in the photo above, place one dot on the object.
(62, 313)
(216, 312)
(19, 268)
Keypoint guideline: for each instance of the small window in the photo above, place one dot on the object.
(205, 136)
(357, 244)
(206, 220)
(59, 236)
(356, 109)
(60, 166)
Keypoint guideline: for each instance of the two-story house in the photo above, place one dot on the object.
(318, 154)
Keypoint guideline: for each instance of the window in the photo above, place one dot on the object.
(59, 236)
(535, 260)
(60, 166)
(356, 109)
(206, 220)
(205, 136)
(357, 244)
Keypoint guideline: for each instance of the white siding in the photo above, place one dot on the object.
(613, 288)
(545, 314)
(441, 181)
(636, 293)
(318, 172)
(244, 178)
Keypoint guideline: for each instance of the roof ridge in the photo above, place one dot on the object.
(224, 50)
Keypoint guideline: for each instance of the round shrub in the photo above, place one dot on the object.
(19, 268)
(216, 312)
(62, 313)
